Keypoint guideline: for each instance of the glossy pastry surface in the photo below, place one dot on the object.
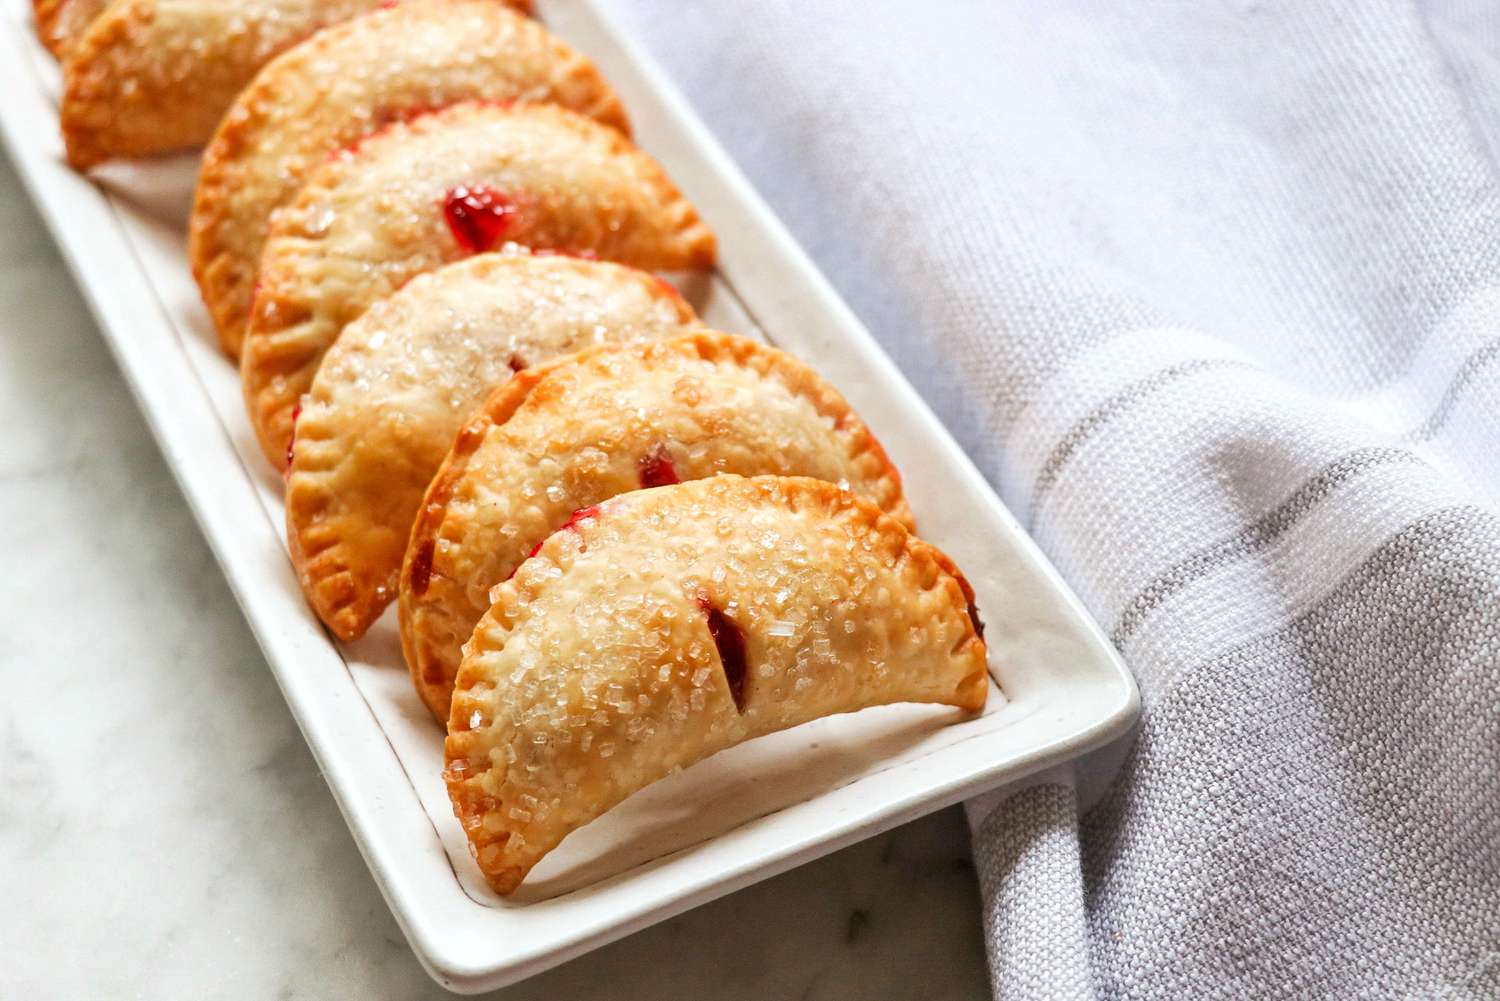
(404, 378)
(345, 82)
(665, 625)
(447, 185)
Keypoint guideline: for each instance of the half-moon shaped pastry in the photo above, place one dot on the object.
(666, 625)
(404, 378)
(444, 186)
(60, 23)
(151, 76)
(340, 85)
(565, 436)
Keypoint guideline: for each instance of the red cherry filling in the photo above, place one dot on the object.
(657, 469)
(478, 216)
(974, 618)
(592, 511)
(421, 568)
(516, 363)
(730, 642)
(291, 443)
(571, 525)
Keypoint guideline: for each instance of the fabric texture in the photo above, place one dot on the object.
(1211, 292)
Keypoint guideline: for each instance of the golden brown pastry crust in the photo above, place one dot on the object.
(563, 436)
(343, 83)
(369, 221)
(402, 380)
(60, 23)
(670, 624)
(152, 76)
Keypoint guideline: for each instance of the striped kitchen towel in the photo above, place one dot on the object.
(1211, 291)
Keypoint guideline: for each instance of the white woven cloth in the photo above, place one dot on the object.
(1211, 291)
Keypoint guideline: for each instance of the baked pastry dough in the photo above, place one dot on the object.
(666, 625)
(443, 186)
(59, 23)
(561, 437)
(151, 76)
(401, 381)
(344, 83)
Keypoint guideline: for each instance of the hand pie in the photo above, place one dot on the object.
(666, 625)
(564, 436)
(401, 381)
(344, 83)
(151, 76)
(446, 185)
(60, 23)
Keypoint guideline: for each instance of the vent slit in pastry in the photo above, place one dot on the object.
(478, 217)
(657, 469)
(401, 382)
(729, 642)
(598, 669)
(581, 429)
(367, 223)
(357, 78)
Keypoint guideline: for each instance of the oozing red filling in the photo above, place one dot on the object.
(730, 642)
(592, 511)
(516, 363)
(974, 618)
(291, 443)
(657, 469)
(667, 287)
(421, 568)
(571, 525)
(478, 216)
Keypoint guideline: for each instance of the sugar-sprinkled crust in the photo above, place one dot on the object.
(150, 76)
(369, 221)
(670, 624)
(60, 23)
(402, 380)
(562, 437)
(345, 82)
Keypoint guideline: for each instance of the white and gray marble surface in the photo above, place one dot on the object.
(164, 832)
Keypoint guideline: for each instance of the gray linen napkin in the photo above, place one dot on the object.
(1209, 290)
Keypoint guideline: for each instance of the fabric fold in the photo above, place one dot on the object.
(1211, 293)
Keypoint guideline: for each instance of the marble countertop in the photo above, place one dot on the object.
(164, 831)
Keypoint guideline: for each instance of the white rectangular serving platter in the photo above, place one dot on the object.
(743, 815)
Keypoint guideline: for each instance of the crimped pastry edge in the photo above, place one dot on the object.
(865, 452)
(266, 417)
(325, 573)
(223, 170)
(471, 804)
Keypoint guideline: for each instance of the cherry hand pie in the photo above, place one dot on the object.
(60, 23)
(446, 185)
(666, 625)
(151, 76)
(609, 420)
(402, 380)
(344, 83)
